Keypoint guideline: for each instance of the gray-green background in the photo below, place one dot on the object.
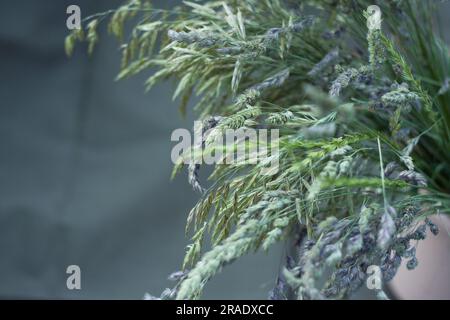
(85, 167)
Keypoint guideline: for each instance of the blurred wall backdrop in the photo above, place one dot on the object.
(85, 167)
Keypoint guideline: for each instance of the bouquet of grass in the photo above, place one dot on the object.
(359, 91)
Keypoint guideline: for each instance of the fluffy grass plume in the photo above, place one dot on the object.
(362, 104)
